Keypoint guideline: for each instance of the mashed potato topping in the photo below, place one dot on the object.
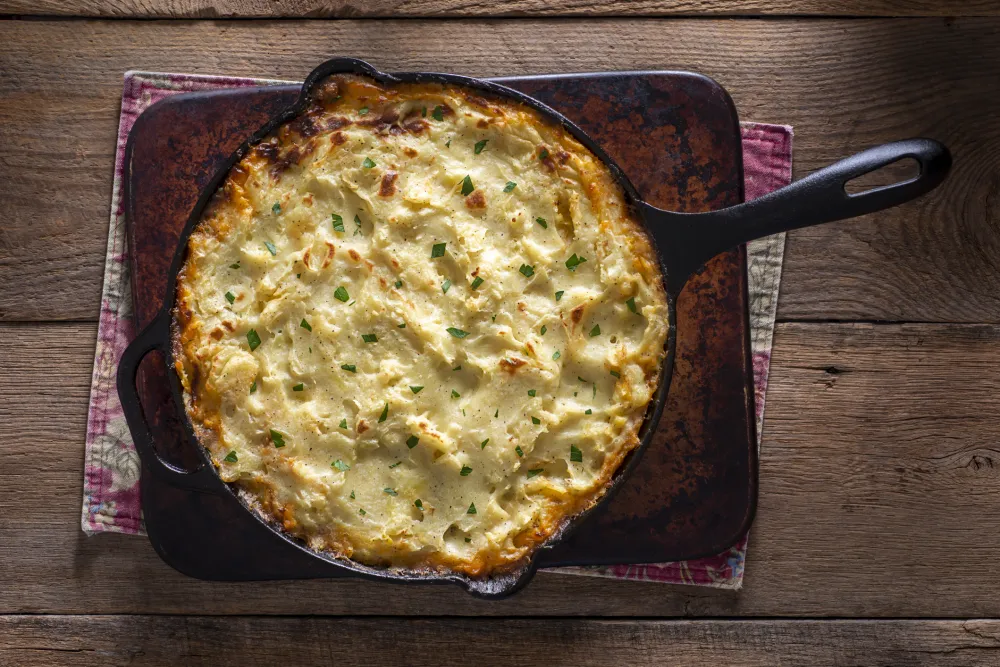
(419, 328)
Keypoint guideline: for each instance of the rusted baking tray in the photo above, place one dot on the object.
(677, 138)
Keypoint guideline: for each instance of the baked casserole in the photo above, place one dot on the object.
(419, 328)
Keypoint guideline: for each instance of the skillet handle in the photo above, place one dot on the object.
(688, 240)
(153, 337)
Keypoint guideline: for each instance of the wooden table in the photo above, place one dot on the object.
(879, 522)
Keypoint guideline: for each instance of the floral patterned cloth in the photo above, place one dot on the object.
(111, 466)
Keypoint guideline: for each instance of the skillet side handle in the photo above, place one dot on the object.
(688, 240)
(153, 337)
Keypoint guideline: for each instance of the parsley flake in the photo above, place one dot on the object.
(340, 465)
(445, 286)
(574, 262)
(299, 387)
(419, 505)
(230, 298)
(438, 113)
(338, 223)
(389, 491)
(483, 444)
(270, 248)
(385, 414)
(535, 420)
(277, 438)
(412, 441)
(616, 374)
(468, 539)
(467, 186)
(343, 423)
(543, 330)
(276, 209)
(350, 368)
(357, 222)
(556, 355)
(559, 294)
(253, 387)
(401, 325)
(368, 163)
(466, 470)
(531, 392)
(588, 411)
(416, 390)
(455, 394)
(480, 145)
(234, 266)
(575, 454)
(394, 465)
(520, 452)
(369, 338)
(423, 112)
(341, 294)
(596, 331)
(438, 250)
(305, 325)
(362, 512)
(535, 471)
(497, 413)
(447, 144)
(510, 186)
(544, 153)
(527, 270)
(362, 111)
(253, 339)
(477, 282)
(472, 509)
(542, 222)
(457, 333)
(352, 494)
(457, 368)
(231, 457)
(399, 283)
(631, 304)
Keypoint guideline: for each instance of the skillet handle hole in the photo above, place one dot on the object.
(903, 170)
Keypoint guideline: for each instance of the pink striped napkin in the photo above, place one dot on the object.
(111, 465)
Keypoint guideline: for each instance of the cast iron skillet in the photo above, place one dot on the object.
(684, 242)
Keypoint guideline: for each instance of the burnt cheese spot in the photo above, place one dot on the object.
(388, 186)
(577, 314)
(476, 200)
(511, 365)
(338, 139)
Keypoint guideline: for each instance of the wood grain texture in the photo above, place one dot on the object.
(205, 640)
(880, 496)
(466, 8)
(844, 85)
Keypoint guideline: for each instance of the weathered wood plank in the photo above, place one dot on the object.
(465, 8)
(41, 641)
(844, 85)
(880, 495)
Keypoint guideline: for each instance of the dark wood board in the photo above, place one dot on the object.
(677, 137)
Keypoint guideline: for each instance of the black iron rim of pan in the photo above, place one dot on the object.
(684, 242)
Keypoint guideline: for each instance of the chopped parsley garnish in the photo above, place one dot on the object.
(596, 331)
(510, 186)
(477, 282)
(447, 144)
(574, 262)
(305, 325)
(519, 451)
(467, 186)
(415, 390)
(582, 380)
(616, 374)
(535, 420)
(277, 438)
(352, 494)
(419, 505)
(368, 163)
(438, 113)
(456, 368)
(455, 394)
(231, 457)
(445, 286)
(299, 387)
(362, 512)
(389, 491)
(468, 539)
(343, 423)
(338, 223)
(480, 145)
(423, 112)
(362, 111)
(253, 339)
(631, 304)
(595, 390)
(438, 250)
(412, 441)
(276, 209)
(385, 414)
(531, 392)
(401, 325)
(483, 444)
(369, 338)
(466, 470)
(543, 330)
(556, 355)
(472, 509)
(497, 413)
(340, 465)
(543, 154)
(270, 248)
(357, 223)
(399, 283)
(535, 471)
(559, 294)
(575, 454)
(234, 266)
(230, 298)
(253, 387)
(350, 368)
(542, 222)
(394, 465)
(457, 333)
(588, 411)
(527, 270)
(341, 294)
